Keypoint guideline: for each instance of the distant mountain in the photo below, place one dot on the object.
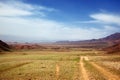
(26, 46)
(115, 36)
(4, 46)
(95, 43)
(112, 39)
(113, 49)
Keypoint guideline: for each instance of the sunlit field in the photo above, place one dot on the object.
(54, 65)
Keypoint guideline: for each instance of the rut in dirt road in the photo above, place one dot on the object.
(84, 72)
(19, 65)
(57, 71)
(107, 74)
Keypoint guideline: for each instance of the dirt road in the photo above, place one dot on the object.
(84, 72)
(108, 75)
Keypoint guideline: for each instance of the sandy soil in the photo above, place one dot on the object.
(84, 72)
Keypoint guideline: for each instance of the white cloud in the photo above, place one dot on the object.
(18, 8)
(106, 18)
(13, 23)
(42, 29)
(102, 18)
(91, 21)
(6, 10)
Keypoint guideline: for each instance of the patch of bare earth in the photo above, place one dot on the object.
(57, 71)
(83, 70)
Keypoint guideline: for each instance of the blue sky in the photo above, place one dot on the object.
(78, 9)
(53, 20)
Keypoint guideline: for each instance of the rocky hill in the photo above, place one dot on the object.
(4, 46)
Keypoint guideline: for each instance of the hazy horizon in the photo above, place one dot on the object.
(47, 21)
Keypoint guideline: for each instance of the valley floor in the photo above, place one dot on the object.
(53, 65)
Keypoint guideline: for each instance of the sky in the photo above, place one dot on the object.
(58, 20)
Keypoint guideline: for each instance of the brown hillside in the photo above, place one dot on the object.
(113, 49)
(4, 46)
(19, 46)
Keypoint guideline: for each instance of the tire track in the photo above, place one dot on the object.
(57, 71)
(84, 72)
(19, 65)
(107, 74)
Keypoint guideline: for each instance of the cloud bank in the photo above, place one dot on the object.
(106, 18)
(17, 8)
(30, 21)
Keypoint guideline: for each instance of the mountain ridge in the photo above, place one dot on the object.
(4, 46)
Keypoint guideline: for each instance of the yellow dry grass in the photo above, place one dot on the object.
(52, 65)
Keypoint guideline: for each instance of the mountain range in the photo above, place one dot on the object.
(110, 44)
(106, 41)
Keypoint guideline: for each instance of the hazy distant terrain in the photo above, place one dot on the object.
(100, 44)
(61, 61)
